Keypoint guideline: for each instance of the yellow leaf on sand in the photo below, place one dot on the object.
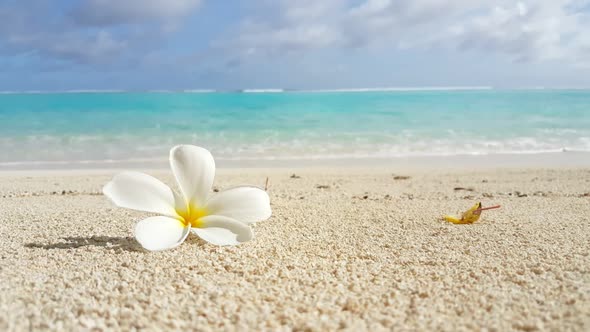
(468, 217)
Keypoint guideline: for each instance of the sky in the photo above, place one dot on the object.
(54, 45)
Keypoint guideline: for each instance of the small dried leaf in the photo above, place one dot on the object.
(468, 217)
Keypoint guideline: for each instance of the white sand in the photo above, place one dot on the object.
(367, 253)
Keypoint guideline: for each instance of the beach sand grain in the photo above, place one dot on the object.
(353, 249)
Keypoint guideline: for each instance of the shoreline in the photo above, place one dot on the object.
(567, 159)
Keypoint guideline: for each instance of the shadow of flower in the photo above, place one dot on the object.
(108, 242)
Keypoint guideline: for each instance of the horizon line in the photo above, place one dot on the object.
(289, 90)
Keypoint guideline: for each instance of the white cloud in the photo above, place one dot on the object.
(92, 31)
(35, 30)
(113, 12)
(526, 30)
(535, 30)
(288, 25)
(97, 49)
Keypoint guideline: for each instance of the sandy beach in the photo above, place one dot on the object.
(354, 249)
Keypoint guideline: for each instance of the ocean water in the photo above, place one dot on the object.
(77, 128)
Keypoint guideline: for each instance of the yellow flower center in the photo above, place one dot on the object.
(191, 216)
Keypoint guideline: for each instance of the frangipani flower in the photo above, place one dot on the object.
(221, 219)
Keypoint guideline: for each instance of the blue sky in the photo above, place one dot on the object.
(306, 44)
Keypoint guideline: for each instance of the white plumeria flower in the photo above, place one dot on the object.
(222, 219)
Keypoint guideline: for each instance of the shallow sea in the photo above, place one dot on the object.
(75, 128)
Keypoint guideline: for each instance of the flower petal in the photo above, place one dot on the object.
(194, 169)
(160, 233)
(223, 231)
(139, 191)
(245, 204)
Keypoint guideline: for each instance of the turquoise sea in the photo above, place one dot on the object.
(77, 128)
